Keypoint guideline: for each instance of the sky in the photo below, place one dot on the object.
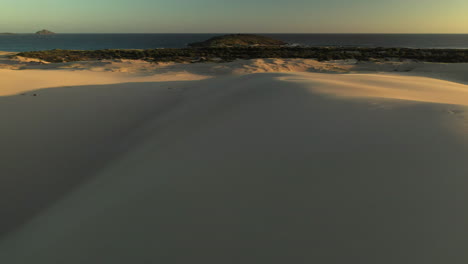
(235, 16)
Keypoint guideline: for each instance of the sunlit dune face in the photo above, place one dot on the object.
(386, 86)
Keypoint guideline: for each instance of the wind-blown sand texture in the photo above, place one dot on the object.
(261, 161)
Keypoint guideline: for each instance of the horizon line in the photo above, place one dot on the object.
(297, 33)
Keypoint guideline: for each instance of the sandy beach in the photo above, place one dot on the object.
(264, 161)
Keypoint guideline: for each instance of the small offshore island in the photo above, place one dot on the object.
(45, 32)
(238, 40)
(40, 32)
(246, 46)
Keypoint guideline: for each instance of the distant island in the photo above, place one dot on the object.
(7, 33)
(239, 40)
(45, 32)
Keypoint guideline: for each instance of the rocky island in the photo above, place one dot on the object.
(45, 32)
(239, 40)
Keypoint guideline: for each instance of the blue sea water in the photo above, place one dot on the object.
(31, 42)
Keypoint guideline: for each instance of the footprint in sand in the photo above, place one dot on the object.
(454, 111)
(379, 106)
(461, 115)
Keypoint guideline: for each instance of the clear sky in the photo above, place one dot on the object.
(223, 16)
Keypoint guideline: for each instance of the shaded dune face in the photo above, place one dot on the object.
(263, 168)
(55, 139)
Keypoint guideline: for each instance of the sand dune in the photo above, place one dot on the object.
(16, 82)
(248, 162)
(413, 88)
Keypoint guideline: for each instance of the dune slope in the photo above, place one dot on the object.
(262, 168)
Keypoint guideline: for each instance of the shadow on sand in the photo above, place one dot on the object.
(244, 169)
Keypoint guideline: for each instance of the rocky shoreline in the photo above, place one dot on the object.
(220, 54)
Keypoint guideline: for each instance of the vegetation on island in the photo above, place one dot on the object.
(238, 40)
(232, 53)
(45, 32)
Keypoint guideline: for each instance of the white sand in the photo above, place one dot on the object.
(263, 161)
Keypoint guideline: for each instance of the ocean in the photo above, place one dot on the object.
(32, 42)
